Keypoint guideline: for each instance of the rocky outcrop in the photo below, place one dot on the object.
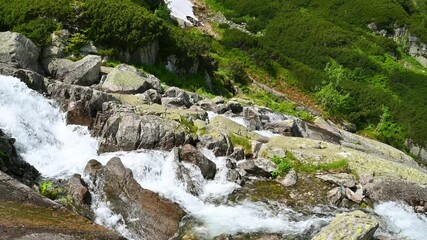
(127, 79)
(176, 97)
(17, 49)
(32, 79)
(57, 47)
(81, 103)
(12, 164)
(355, 225)
(145, 212)
(84, 72)
(129, 131)
(25, 214)
(141, 55)
(190, 154)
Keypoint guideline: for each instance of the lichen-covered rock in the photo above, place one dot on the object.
(18, 49)
(127, 79)
(219, 143)
(339, 179)
(146, 214)
(84, 72)
(78, 189)
(355, 225)
(190, 154)
(290, 179)
(224, 125)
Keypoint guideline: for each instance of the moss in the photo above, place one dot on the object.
(48, 190)
(241, 141)
(191, 128)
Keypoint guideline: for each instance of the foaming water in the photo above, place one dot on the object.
(402, 220)
(58, 150)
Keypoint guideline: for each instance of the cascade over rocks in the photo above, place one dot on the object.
(17, 49)
(12, 164)
(84, 72)
(127, 79)
(145, 212)
(81, 103)
(355, 225)
(190, 154)
(32, 79)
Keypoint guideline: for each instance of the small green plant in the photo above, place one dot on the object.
(48, 190)
(189, 125)
(284, 164)
(75, 43)
(241, 141)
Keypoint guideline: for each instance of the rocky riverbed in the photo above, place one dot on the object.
(148, 161)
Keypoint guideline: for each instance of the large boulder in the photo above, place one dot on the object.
(57, 47)
(84, 72)
(18, 49)
(12, 164)
(127, 79)
(355, 225)
(81, 103)
(32, 79)
(190, 154)
(129, 131)
(219, 143)
(146, 214)
(176, 97)
(25, 214)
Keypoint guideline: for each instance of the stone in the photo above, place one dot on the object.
(11, 163)
(284, 127)
(78, 189)
(146, 214)
(251, 168)
(238, 153)
(26, 214)
(190, 154)
(219, 143)
(174, 96)
(218, 100)
(207, 105)
(32, 79)
(93, 168)
(142, 55)
(56, 49)
(18, 49)
(84, 72)
(355, 225)
(127, 79)
(252, 117)
(339, 179)
(355, 197)
(130, 131)
(290, 179)
(235, 107)
(335, 195)
(152, 96)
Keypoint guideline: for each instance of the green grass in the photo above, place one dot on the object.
(285, 164)
(241, 141)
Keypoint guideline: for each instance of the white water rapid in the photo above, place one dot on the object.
(181, 9)
(402, 221)
(58, 150)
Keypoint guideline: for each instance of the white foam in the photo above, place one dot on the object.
(402, 220)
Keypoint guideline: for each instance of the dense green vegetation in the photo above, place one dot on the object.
(322, 47)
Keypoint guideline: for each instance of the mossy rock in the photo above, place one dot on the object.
(225, 125)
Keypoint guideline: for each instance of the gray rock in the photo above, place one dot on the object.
(152, 96)
(253, 118)
(285, 127)
(339, 179)
(190, 154)
(18, 49)
(238, 153)
(32, 79)
(84, 72)
(355, 225)
(129, 131)
(290, 179)
(335, 195)
(218, 100)
(78, 189)
(354, 196)
(220, 144)
(12, 164)
(57, 47)
(235, 107)
(174, 96)
(253, 169)
(127, 79)
(93, 169)
(146, 214)
(207, 105)
(234, 176)
(141, 55)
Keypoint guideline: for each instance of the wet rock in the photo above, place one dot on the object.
(354, 196)
(233, 176)
(82, 103)
(253, 118)
(355, 225)
(93, 168)
(145, 212)
(235, 107)
(191, 154)
(26, 214)
(17, 49)
(396, 190)
(220, 144)
(78, 189)
(238, 153)
(129, 131)
(84, 72)
(12, 164)
(339, 179)
(335, 195)
(253, 169)
(127, 79)
(32, 79)
(290, 179)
